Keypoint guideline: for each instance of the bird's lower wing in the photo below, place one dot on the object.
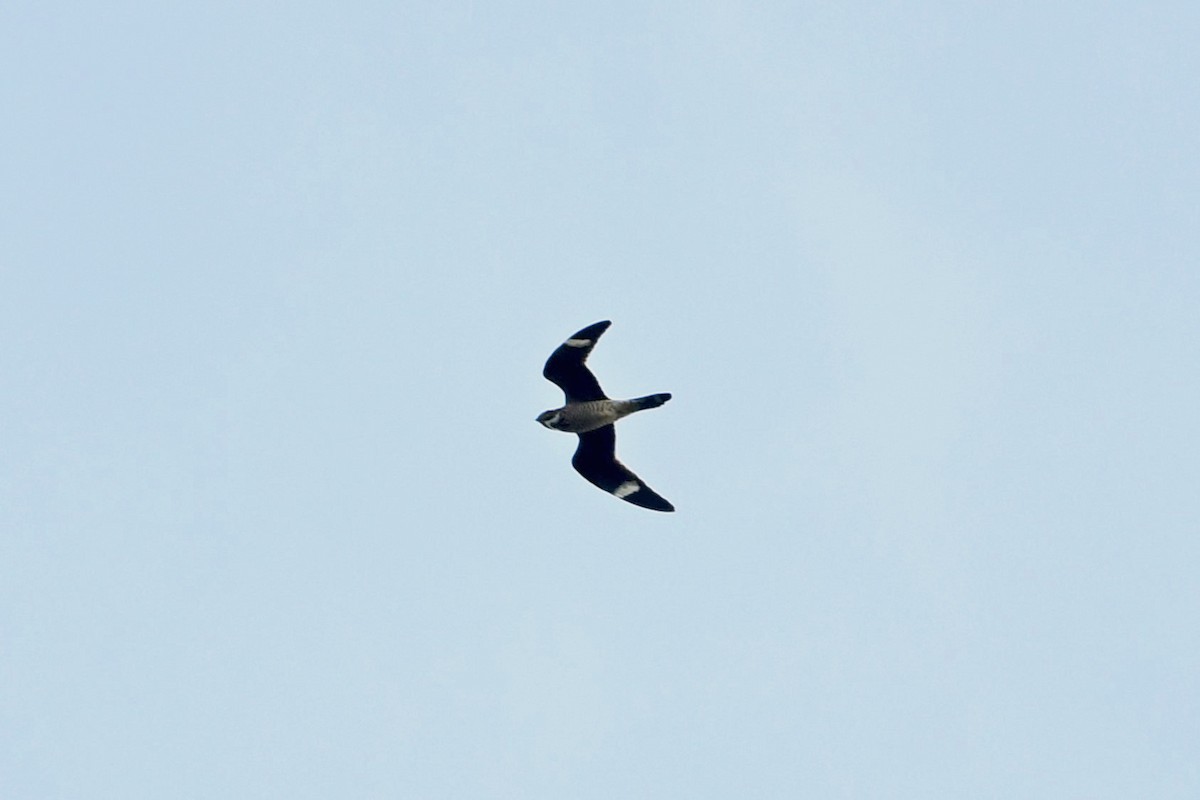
(596, 460)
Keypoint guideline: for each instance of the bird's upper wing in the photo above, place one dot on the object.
(596, 460)
(567, 369)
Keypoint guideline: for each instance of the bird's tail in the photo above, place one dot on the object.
(650, 401)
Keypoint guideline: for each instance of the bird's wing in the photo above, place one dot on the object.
(567, 369)
(596, 460)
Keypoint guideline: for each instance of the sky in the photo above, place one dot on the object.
(277, 282)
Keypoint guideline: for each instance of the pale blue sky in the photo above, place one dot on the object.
(277, 285)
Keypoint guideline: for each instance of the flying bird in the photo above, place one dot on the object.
(589, 413)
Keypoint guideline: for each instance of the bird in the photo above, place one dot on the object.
(591, 414)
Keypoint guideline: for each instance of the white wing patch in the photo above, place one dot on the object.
(577, 342)
(627, 488)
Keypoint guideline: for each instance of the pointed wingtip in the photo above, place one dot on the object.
(592, 331)
(649, 499)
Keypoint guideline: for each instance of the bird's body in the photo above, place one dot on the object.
(592, 414)
(589, 413)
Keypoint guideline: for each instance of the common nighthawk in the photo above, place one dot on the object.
(591, 414)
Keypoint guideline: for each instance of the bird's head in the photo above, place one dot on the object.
(550, 419)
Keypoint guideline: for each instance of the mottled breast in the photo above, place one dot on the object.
(584, 417)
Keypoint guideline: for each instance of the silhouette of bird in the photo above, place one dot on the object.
(590, 413)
